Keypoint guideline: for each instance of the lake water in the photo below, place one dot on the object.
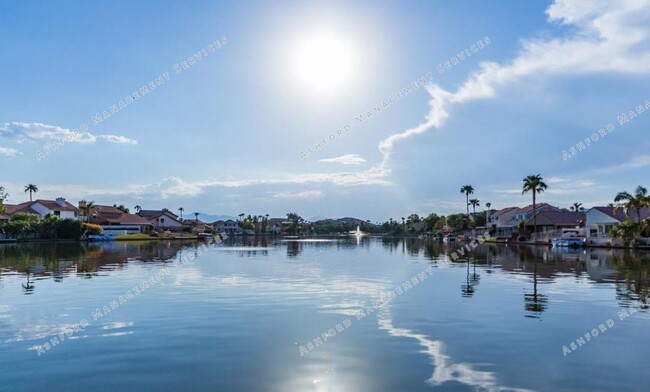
(237, 316)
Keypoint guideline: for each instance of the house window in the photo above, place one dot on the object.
(57, 213)
(162, 220)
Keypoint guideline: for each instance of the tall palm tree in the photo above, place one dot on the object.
(196, 216)
(137, 208)
(181, 209)
(535, 184)
(31, 188)
(474, 203)
(467, 190)
(487, 208)
(635, 202)
(88, 208)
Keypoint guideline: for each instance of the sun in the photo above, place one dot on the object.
(323, 63)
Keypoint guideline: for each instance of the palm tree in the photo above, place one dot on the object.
(535, 184)
(31, 188)
(635, 202)
(467, 190)
(88, 208)
(474, 203)
(137, 208)
(487, 208)
(576, 207)
(181, 209)
(196, 217)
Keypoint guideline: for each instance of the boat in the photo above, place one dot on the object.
(448, 238)
(569, 238)
(568, 242)
(205, 236)
(101, 237)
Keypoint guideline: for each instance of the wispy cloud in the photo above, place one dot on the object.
(118, 139)
(349, 159)
(39, 132)
(313, 194)
(44, 133)
(608, 36)
(9, 152)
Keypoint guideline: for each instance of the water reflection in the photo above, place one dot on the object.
(58, 261)
(535, 304)
(444, 368)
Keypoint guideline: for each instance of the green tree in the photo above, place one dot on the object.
(137, 208)
(31, 188)
(635, 202)
(627, 231)
(535, 184)
(88, 208)
(576, 207)
(181, 209)
(3, 197)
(296, 222)
(467, 190)
(21, 225)
(457, 222)
(429, 223)
(122, 208)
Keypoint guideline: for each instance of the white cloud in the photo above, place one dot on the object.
(39, 132)
(349, 159)
(10, 152)
(634, 163)
(608, 36)
(43, 133)
(119, 139)
(314, 194)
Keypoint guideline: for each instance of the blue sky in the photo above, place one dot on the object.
(226, 134)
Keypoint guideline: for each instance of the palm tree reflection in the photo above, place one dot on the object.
(535, 303)
(468, 289)
(28, 288)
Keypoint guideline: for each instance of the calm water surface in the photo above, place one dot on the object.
(234, 318)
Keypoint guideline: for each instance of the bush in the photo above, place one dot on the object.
(93, 229)
(70, 229)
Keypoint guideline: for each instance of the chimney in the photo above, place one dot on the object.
(60, 201)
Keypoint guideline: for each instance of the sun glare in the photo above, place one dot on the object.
(323, 63)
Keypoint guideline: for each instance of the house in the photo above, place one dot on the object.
(601, 220)
(277, 225)
(4, 218)
(550, 220)
(499, 221)
(59, 207)
(197, 225)
(116, 222)
(162, 219)
(229, 227)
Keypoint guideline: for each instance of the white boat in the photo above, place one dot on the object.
(101, 237)
(570, 238)
(448, 238)
(568, 242)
